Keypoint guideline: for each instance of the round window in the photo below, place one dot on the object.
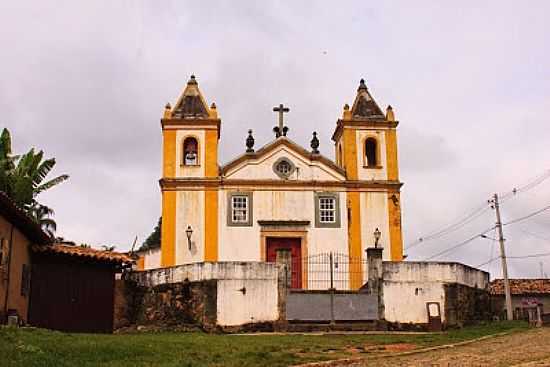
(283, 168)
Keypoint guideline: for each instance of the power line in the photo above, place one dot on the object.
(530, 185)
(479, 211)
(534, 235)
(515, 257)
(465, 242)
(476, 213)
(526, 216)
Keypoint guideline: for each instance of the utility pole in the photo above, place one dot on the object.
(509, 313)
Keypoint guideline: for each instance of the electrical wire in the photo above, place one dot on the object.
(515, 257)
(534, 235)
(476, 213)
(492, 248)
(454, 247)
(479, 211)
(528, 186)
(526, 216)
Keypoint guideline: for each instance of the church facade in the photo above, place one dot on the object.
(280, 201)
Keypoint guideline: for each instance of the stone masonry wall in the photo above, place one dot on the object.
(175, 305)
(466, 305)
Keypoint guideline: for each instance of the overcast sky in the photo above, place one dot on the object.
(469, 81)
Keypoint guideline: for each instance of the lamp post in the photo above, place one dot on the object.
(377, 235)
(188, 233)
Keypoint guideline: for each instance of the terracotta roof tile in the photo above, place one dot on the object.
(521, 286)
(85, 252)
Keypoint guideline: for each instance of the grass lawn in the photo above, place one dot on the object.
(36, 347)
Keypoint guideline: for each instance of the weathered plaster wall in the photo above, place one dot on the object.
(244, 292)
(405, 302)
(244, 243)
(459, 289)
(425, 271)
(151, 259)
(375, 207)
(190, 212)
(19, 255)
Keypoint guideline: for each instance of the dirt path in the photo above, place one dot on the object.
(527, 349)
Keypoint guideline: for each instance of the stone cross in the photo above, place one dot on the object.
(281, 109)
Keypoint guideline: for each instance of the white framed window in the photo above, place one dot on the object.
(239, 209)
(327, 209)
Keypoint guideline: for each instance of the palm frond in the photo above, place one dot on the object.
(42, 170)
(51, 183)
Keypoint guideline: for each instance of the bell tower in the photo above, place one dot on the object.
(366, 147)
(190, 133)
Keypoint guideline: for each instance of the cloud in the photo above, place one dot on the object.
(87, 81)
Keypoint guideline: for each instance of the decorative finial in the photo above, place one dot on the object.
(213, 106)
(192, 80)
(315, 144)
(167, 111)
(347, 113)
(250, 142)
(390, 116)
(362, 85)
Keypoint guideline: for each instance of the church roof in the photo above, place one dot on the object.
(191, 103)
(269, 147)
(365, 107)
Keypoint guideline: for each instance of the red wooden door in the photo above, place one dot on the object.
(293, 245)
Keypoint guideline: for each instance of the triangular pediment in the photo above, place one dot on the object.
(260, 165)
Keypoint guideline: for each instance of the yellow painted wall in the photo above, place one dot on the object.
(350, 154)
(169, 153)
(354, 239)
(211, 225)
(391, 155)
(168, 240)
(20, 255)
(211, 155)
(394, 214)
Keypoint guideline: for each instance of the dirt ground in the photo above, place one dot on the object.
(526, 349)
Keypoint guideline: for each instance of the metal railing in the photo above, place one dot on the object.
(327, 271)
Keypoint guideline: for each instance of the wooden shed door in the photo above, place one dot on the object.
(72, 297)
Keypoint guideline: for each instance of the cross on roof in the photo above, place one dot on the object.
(281, 129)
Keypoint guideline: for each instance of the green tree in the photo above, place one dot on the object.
(42, 215)
(153, 241)
(23, 178)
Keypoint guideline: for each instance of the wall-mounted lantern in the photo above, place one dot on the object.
(377, 235)
(188, 233)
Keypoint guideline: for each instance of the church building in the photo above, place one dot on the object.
(282, 201)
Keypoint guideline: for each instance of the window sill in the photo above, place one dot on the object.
(373, 167)
(190, 165)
